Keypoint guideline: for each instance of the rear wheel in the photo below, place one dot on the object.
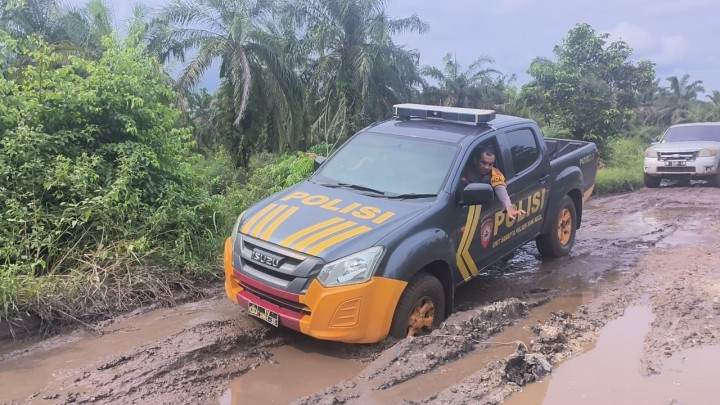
(421, 306)
(652, 181)
(559, 241)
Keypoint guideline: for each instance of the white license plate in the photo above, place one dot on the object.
(675, 163)
(263, 313)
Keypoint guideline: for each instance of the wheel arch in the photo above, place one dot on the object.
(576, 197)
(442, 271)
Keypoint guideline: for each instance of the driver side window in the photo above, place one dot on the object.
(482, 155)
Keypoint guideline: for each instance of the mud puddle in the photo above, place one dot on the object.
(497, 348)
(614, 363)
(56, 366)
(295, 370)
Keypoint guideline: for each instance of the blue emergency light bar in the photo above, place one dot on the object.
(471, 115)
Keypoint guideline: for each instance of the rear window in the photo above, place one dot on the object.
(705, 133)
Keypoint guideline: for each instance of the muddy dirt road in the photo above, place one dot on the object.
(633, 316)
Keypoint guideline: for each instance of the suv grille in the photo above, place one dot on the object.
(677, 155)
(277, 267)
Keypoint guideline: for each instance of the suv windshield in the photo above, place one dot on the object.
(693, 133)
(388, 165)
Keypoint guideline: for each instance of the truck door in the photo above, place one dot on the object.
(528, 169)
(477, 231)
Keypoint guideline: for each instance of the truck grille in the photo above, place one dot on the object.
(678, 169)
(277, 267)
(664, 156)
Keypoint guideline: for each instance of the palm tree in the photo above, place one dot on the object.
(714, 97)
(237, 34)
(356, 72)
(472, 87)
(678, 99)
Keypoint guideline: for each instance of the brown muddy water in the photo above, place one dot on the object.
(610, 372)
(296, 370)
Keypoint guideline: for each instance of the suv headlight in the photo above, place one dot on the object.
(236, 228)
(651, 153)
(707, 152)
(353, 269)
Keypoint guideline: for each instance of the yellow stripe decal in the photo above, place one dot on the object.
(269, 231)
(466, 253)
(465, 262)
(256, 231)
(337, 239)
(256, 217)
(319, 235)
(458, 256)
(299, 234)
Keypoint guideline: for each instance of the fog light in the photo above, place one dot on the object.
(708, 168)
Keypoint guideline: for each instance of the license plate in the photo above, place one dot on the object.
(675, 163)
(264, 314)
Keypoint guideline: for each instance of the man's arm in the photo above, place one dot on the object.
(503, 195)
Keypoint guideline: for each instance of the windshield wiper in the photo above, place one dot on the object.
(408, 196)
(353, 186)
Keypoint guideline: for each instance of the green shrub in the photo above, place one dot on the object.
(623, 168)
(95, 176)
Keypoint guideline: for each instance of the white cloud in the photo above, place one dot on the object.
(673, 49)
(659, 49)
(640, 39)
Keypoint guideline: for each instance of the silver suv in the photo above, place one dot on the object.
(685, 151)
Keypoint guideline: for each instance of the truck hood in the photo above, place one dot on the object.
(692, 146)
(326, 222)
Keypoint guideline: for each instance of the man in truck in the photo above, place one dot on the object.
(482, 170)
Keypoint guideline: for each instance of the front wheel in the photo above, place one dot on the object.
(652, 181)
(421, 306)
(559, 241)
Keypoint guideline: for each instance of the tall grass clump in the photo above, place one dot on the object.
(622, 170)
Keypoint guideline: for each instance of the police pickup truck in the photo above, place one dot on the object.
(379, 238)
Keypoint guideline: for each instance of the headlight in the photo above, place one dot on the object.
(353, 269)
(707, 152)
(651, 153)
(236, 228)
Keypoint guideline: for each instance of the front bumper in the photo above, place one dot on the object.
(358, 313)
(699, 167)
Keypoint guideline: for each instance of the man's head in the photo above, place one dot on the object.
(485, 160)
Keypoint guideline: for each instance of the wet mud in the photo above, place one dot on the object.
(637, 303)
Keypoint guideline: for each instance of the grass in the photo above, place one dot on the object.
(611, 180)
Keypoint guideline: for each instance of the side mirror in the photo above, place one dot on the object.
(319, 161)
(477, 194)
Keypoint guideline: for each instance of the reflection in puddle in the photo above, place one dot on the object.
(610, 373)
(297, 370)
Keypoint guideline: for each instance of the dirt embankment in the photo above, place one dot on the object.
(513, 326)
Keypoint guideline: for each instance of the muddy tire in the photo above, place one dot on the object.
(421, 306)
(652, 181)
(561, 237)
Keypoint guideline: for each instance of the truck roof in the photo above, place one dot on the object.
(449, 131)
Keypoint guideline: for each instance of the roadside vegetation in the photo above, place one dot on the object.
(120, 178)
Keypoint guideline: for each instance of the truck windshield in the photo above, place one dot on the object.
(689, 133)
(390, 166)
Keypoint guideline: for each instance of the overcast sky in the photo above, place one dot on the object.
(680, 36)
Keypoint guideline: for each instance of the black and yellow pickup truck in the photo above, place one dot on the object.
(378, 239)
